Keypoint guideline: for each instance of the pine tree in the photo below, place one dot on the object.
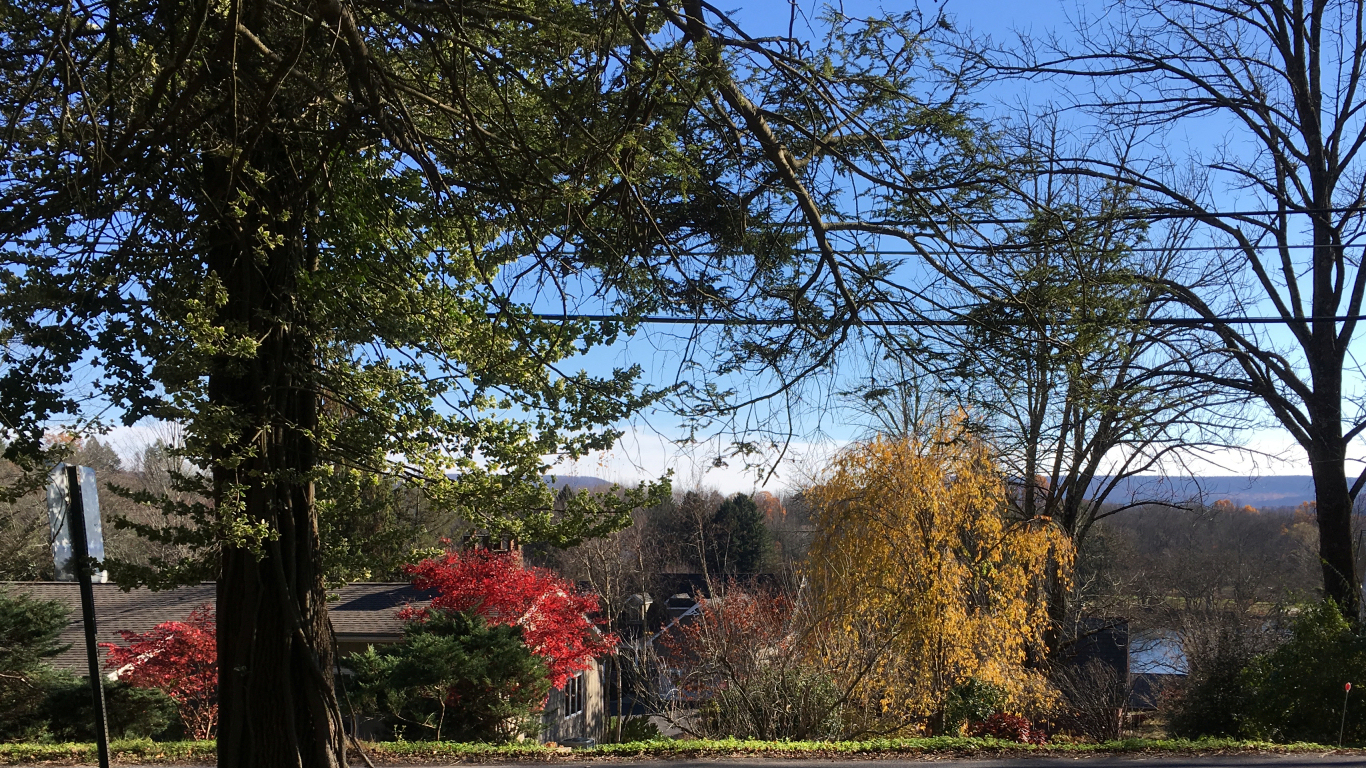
(739, 542)
(453, 677)
(29, 636)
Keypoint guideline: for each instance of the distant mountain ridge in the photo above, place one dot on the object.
(1264, 491)
(579, 482)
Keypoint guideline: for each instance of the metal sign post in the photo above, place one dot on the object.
(74, 516)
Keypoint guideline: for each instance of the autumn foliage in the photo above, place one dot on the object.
(179, 658)
(920, 579)
(1008, 728)
(738, 660)
(729, 639)
(554, 617)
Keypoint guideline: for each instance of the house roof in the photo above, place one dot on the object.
(361, 613)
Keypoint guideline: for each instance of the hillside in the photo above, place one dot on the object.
(1265, 491)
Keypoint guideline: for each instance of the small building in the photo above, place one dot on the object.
(577, 712)
(362, 614)
(1158, 666)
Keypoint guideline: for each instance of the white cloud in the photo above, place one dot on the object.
(644, 454)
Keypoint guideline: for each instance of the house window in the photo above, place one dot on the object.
(573, 695)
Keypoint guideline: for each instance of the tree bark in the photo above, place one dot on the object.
(1333, 503)
(275, 661)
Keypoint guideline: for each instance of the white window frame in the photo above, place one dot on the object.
(574, 696)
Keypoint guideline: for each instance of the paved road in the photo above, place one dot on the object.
(1302, 760)
(1090, 761)
(1313, 760)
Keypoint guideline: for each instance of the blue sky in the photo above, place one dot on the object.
(647, 448)
(1270, 450)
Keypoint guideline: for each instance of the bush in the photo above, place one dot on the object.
(776, 703)
(1095, 696)
(633, 729)
(1296, 691)
(971, 701)
(180, 659)
(23, 716)
(1008, 728)
(738, 656)
(1215, 698)
(132, 713)
(453, 677)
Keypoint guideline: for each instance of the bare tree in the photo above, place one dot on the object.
(1282, 197)
(1055, 359)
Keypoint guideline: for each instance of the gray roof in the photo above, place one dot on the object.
(360, 613)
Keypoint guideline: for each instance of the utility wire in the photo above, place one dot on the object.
(837, 226)
(1043, 216)
(1029, 248)
(1187, 322)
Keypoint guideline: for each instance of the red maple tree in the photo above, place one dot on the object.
(554, 617)
(179, 658)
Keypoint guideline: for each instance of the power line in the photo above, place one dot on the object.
(1128, 216)
(1026, 248)
(1187, 322)
(853, 225)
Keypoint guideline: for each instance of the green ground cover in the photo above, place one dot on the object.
(146, 751)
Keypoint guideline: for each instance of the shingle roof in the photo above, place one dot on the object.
(367, 612)
(364, 612)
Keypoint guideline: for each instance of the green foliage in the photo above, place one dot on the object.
(39, 702)
(131, 712)
(634, 729)
(22, 700)
(1211, 705)
(381, 282)
(1296, 691)
(30, 632)
(29, 635)
(141, 751)
(145, 751)
(971, 701)
(371, 525)
(454, 677)
(738, 541)
(935, 745)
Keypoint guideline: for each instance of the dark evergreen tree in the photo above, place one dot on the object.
(29, 635)
(739, 542)
(131, 712)
(453, 677)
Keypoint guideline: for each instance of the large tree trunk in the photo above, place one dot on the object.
(1326, 448)
(275, 661)
(1058, 589)
(1333, 502)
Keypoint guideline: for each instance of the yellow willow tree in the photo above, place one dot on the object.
(920, 582)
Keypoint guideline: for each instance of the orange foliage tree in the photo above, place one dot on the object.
(920, 580)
